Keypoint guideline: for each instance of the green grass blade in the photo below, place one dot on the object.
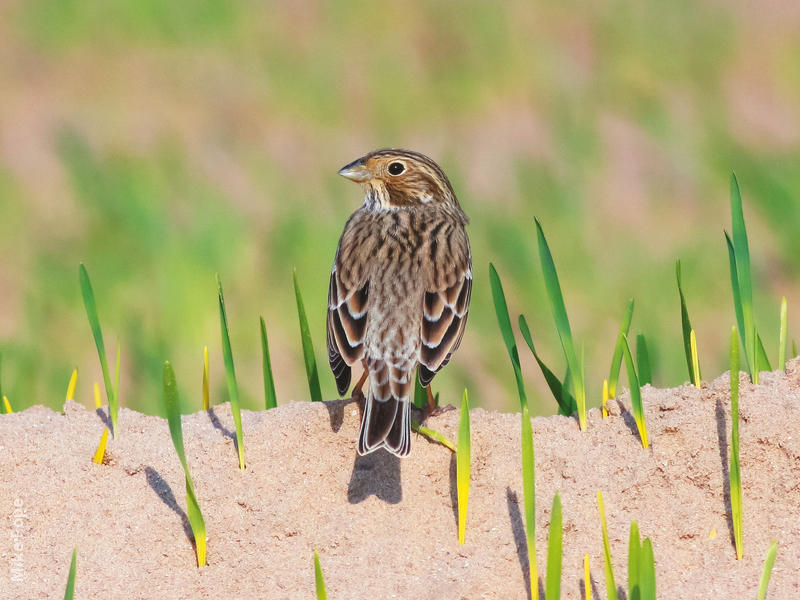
(308, 346)
(528, 481)
(562, 324)
(634, 551)
(643, 360)
(116, 374)
(686, 327)
(782, 336)
(616, 359)
(529, 493)
(420, 395)
(69, 592)
(647, 571)
(741, 251)
(320, 581)
(463, 453)
(433, 435)
(504, 322)
(769, 561)
(94, 323)
(737, 299)
(270, 400)
(553, 583)
(611, 587)
(636, 394)
(734, 471)
(230, 374)
(565, 400)
(762, 361)
(173, 410)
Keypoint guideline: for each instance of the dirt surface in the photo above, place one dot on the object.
(386, 528)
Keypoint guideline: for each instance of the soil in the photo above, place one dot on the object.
(386, 527)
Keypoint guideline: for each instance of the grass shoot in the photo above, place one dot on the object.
(308, 347)
(270, 399)
(319, 580)
(742, 286)
(692, 364)
(433, 435)
(734, 470)
(173, 410)
(611, 587)
(206, 400)
(69, 592)
(641, 567)
(554, 540)
(782, 336)
(616, 358)
(576, 368)
(463, 453)
(636, 394)
(695, 358)
(94, 324)
(7, 405)
(643, 360)
(769, 561)
(604, 405)
(98, 399)
(528, 480)
(587, 579)
(565, 400)
(73, 380)
(100, 453)
(230, 374)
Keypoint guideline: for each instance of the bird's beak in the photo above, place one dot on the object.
(355, 171)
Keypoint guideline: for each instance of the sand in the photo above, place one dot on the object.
(386, 528)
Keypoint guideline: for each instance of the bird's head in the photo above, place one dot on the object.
(398, 178)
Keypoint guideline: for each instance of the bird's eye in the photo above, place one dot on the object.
(396, 168)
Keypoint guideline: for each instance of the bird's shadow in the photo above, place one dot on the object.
(375, 474)
(520, 541)
(162, 489)
(722, 434)
(336, 411)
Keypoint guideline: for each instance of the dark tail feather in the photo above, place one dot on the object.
(398, 441)
(385, 423)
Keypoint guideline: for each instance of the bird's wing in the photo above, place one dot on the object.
(445, 304)
(347, 319)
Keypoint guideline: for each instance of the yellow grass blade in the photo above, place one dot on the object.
(73, 380)
(101, 448)
(7, 405)
(98, 401)
(605, 398)
(587, 581)
(205, 378)
(695, 359)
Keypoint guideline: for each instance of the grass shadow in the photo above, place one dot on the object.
(162, 489)
(722, 436)
(375, 474)
(102, 412)
(454, 486)
(212, 416)
(520, 541)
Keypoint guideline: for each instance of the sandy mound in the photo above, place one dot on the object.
(386, 528)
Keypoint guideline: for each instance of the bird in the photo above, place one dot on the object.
(399, 290)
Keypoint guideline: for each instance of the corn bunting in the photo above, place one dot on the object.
(400, 289)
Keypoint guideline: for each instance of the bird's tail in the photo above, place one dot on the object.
(386, 421)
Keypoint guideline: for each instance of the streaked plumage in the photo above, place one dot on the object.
(399, 290)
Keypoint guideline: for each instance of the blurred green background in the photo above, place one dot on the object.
(161, 143)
